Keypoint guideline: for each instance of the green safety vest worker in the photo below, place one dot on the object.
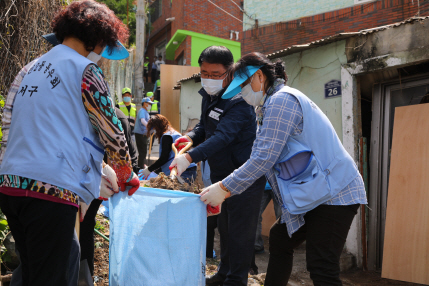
(131, 115)
(157, 84)
(146, 64)
(154, 107)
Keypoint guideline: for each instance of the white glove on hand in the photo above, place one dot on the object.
(106, 188)
(83, 209)
(109, 175)
(181, 163)
(145, 172)
(213, 195)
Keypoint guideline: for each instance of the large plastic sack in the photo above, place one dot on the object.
(157, 237)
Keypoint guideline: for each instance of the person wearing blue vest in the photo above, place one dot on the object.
(314, 179)
(166, 136)
(53, 159)
(140, 130)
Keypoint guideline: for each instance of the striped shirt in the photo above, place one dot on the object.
(282, 117)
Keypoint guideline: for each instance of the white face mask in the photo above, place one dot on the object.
(93, 57)
(148, 108)
(212, 86)
(251, 97)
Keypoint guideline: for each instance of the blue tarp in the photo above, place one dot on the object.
(157, 237)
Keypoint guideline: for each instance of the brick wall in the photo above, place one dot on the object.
(198, 16)
(166, 13)
(203, 17)
(278, 36)
(185, 49)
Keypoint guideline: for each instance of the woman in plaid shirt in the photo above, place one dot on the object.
(330, 187)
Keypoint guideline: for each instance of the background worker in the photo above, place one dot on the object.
(153, 70)
(166, 136)
(224, 136)
(310, 172)
(155, 106)
(158, 63)
(141, 131)
(157, 85)
(146, 69)
(128, 108)
(45, 172)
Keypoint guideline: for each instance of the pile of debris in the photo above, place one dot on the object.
(165, 182)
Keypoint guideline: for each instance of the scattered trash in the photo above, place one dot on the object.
(164, 182)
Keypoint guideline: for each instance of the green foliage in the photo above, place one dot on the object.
(4, 231)
(99, 226)
(98, 244)
(120, 9)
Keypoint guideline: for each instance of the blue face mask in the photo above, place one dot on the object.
(126, 99)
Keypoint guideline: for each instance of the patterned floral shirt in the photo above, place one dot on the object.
(98, 105)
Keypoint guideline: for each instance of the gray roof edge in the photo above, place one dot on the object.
(338, 37)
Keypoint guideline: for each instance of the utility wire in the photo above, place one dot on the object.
(237, 5)
(225, 11)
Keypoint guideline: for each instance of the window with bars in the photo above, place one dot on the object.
(156, 10)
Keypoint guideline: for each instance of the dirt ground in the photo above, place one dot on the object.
(101, 253)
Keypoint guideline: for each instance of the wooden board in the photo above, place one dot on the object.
(268, 219)
(406, 243)
(77, 223)
(170, 99)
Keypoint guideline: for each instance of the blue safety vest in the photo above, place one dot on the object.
(165, 167)
(51, 138)
(313, 166)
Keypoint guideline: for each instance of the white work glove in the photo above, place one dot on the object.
(181, 163)
(145, 172)
(106, 189)
(213, 195)
(109, 182)
(83, 209)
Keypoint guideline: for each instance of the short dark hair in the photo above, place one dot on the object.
(217, 55)
(91, 22)
(271, 70)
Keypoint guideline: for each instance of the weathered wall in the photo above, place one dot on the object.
(119, 74)
(190, 104)
(308, 72)
(397, 46)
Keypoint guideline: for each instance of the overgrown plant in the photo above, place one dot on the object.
(4, 231)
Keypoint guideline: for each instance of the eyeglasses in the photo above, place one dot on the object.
(213, 76)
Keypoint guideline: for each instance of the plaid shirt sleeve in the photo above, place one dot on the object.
(7, 110)
(282, 116)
